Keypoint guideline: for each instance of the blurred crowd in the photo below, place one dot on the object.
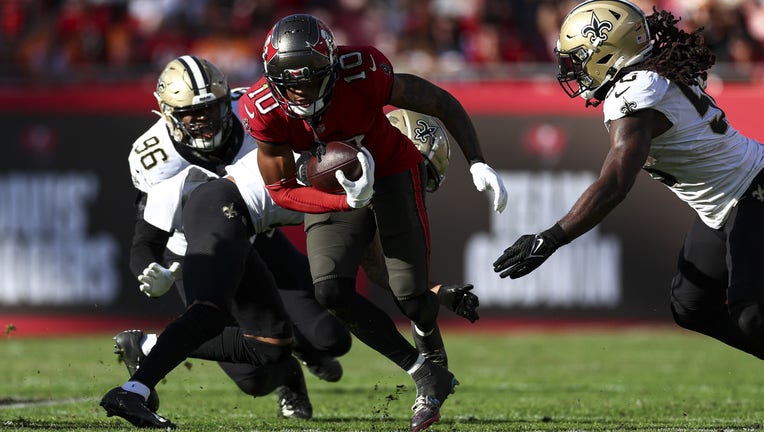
(109, 40)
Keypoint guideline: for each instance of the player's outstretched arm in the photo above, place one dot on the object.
(417, 94)
(629, 148)
(529, 252)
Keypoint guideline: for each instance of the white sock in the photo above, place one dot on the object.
(419, 362)
(136, 387)
(421, 333)
(147, 342)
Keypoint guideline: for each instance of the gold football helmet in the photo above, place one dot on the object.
(598, 38)
(195, 102)
(431, 138)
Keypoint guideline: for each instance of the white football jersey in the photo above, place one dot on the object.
(263, 211)
(153, 159)
(701, 158)
(164, 200)
(164, 204)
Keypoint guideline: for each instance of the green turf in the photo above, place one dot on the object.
(636, 380)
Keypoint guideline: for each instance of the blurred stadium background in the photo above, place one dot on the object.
(76, 83)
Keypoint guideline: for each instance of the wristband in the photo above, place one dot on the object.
(557, 234)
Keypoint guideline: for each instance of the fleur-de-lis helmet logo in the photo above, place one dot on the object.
(597, 30)
(425, 132)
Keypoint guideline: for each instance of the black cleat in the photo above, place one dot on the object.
(131, 407)
(127, 346)
(325, 367)
(434, 384)
(293, 396)
(431, 346)
(293, 404)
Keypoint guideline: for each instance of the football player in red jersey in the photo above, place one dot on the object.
(195, 101)
(313, 92)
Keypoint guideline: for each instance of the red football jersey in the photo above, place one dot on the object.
(355, 113)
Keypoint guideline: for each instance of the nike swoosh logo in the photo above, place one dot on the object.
(373, 64)
(158, 417)
(621, 93)
(537, 245)
(249, 113)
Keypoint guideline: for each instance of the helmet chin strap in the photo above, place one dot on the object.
(205, 145)
(316, 106)
(306, 111)
(613, 72)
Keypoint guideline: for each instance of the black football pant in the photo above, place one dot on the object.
(719, 289)
(226, 283)
(316, 331)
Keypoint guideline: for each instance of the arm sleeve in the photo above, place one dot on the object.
(148, 243)
(290, 195)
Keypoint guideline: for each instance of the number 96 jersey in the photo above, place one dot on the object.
(154, 158)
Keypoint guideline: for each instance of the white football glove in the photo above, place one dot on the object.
(358, 193)
(157, 280)
(485, 178)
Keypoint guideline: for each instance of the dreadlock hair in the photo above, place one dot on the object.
(677, 55)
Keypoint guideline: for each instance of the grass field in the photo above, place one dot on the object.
(643, 379)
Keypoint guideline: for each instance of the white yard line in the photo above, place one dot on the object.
(42, 402)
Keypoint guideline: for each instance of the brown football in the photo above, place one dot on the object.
(339, 156)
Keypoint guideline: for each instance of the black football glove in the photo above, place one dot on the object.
(529, 252)
(460, 300)
(318, 149)
(301, 164)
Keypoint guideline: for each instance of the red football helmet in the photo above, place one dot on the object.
(300, 52)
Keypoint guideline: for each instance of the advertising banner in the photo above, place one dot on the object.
(67, 205)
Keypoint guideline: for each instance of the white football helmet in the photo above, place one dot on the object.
(194, 100)
(431, 138)
(598, 38)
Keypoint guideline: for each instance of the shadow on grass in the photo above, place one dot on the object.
(341, 424)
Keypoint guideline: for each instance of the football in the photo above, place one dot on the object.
(339, 156)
